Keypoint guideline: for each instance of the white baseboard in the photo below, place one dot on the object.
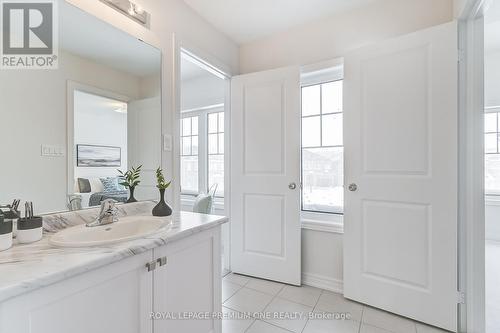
(323, 282)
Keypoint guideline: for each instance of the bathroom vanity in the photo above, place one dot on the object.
(99, 111)
(142, 285)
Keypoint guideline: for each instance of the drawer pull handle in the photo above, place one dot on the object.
(162, 261)
(151, 266)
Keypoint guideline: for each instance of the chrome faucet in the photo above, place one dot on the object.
(107, 215)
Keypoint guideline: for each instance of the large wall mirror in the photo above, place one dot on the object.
(65, 133)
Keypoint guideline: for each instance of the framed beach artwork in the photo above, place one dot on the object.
(98, 156)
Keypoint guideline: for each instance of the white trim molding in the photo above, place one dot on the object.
(323, 282)
(324, 222)
(492, 200)
(495, 108)
(471, 224)
(331, 70)
(332, 227)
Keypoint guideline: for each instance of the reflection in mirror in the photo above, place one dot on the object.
(66, 132)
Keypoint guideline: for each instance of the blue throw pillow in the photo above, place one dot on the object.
(110, 184)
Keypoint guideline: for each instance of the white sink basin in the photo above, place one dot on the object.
(126, 229)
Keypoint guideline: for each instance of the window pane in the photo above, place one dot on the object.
(194, 127)
(311, 132)
(194, 145)
(490, 122)
(186, 146)
(332, 97)
(490, 143)
(212, 123)
(311, 100)
(189, 174)
(212, 144)
(492, 173)
(221, 143)
(221, 122)
(216, 173)
(186, 126)
(332, 130)
(323, 179)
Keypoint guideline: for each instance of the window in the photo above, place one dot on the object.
(492, 152)
(322, 148)
(216, 151)
(202, 152)
(189, 155)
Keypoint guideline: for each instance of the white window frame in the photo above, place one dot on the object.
(185, 192)
(208, 154)
(202, 114)
(488, 192)
(324, 72)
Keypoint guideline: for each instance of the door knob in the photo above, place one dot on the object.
(292, 186)
(353, 187)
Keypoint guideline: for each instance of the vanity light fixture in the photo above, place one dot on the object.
(130, 9)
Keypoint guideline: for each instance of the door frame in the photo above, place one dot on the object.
(471, 167)
(224, 70)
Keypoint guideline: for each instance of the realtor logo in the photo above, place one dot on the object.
(29, 34)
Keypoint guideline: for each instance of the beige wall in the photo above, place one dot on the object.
(335, 36)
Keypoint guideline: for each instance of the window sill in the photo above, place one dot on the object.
(332, 223)
(492, 200)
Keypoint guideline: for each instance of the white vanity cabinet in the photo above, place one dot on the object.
(190, 282)
(114, 298)
(120, 297)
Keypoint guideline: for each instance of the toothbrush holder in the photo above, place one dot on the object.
(12, 217)
(5, 234)
(29, 230)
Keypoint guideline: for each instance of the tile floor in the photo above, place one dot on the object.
(242, 295)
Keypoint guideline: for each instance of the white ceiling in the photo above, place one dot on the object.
(492, 27)
(247, 20)
(94, 104)
(189, 70)
(87, 36)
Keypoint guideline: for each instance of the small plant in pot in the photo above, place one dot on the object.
(162, 208)
(130, 180)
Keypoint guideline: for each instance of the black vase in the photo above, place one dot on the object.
(131, 198)
(162, 208)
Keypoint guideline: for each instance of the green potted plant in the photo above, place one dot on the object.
(162, 208)
(130, 179)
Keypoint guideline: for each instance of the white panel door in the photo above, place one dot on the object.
(265, 166)
(400, 241)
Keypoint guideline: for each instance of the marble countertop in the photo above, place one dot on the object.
(27, 267)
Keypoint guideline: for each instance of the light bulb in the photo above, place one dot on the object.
(131, 9)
